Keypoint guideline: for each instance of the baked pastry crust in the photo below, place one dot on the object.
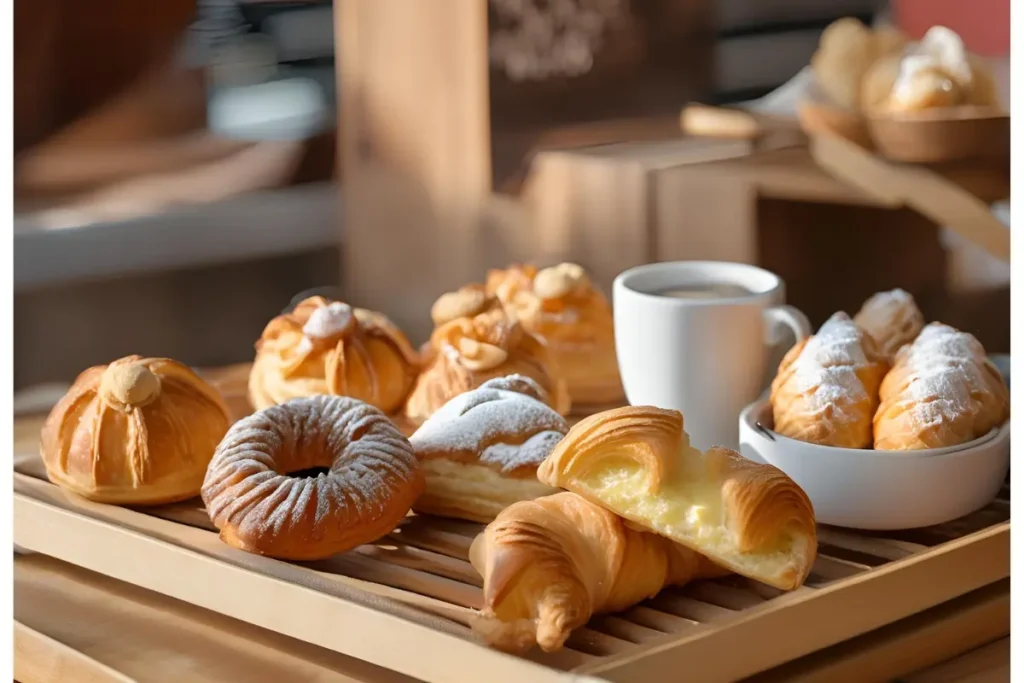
(562, 308)
(942, 391)
(371, 481)
(468, 351)
(139, 431)
(846, 52)
(551, 563)
(481, 450)
(637, 462)
(826, 389)
(892, 319)
(328, 347)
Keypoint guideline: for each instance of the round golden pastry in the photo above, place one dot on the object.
(466, 302)
(471, 350)
(561, 307)
(139, 431)
(254, 496)
(329, 347)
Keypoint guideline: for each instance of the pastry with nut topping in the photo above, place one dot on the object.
(563, 309)
(467, 351)
(329, 347)
(140, 431)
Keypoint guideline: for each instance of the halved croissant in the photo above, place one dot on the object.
(637, 462)
(550, 564)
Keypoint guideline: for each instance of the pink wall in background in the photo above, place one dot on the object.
(983, 24)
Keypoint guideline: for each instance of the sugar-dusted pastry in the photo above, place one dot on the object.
(139, 431)
(468, 351)
(261, 494)
(638, 462)
(572, 318)
(329, 347)
(942, 391)
(826, 390)
(934, 73)
(892, 319)
(481, 450)
(551, 563)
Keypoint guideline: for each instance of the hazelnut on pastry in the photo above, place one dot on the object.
(563, 309)
(469, 351)
(329, 347)
(140, 431)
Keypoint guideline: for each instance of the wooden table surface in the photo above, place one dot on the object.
(75, 625)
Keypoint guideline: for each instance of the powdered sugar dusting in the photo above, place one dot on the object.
(502, 427)
(248, 485)
(328, 321)
(891, 318)
(825, 374)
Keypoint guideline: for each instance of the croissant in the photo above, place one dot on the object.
(942, 391)
(892, 319)
(481, 450)
(468, 351)
(328, 347)
(562, 308)
(826, 389)
(140, 431)
(638, 462)
(551, 563)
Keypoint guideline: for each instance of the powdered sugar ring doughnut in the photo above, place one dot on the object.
(372, 480)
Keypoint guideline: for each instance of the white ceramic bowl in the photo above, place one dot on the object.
(884, 490)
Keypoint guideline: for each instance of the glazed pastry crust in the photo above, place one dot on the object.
(139, 431)
(327, 347)
(892, 319)
(481, 450)
(942, 391)
(826, 389)
(637, 462)
(551, 563)
(562, 308)
(469, 351)
(372, 480)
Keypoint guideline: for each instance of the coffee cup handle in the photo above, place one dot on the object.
(782, 317)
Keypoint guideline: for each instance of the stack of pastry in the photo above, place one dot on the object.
(885, 380)
(644, 510)
(562, 308)
(878, 71)
(476, 340)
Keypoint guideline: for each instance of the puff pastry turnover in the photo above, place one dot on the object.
(551, 563)
(892, 319)
(481, 450)
(638, 462)
(826, 390)
(942, 391)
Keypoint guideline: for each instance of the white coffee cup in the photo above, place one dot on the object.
(685, 340)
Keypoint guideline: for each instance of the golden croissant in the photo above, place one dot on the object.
(826, 390)
(638, 462)
(328, 347)
(942, 391)
(550, 564)
(468, 351)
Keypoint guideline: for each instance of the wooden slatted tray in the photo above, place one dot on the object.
(404, 602)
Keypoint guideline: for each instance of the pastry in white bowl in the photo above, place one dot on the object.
(942, 391)
(892, 319)
(480, 451)
(826, 389)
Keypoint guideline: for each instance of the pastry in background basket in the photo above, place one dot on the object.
(470, 350)
(638, 462)
(892, 319)
(481, 450)
(826, 389)
(329, 347)
(942, 391)
(936, 72)
(562, 308)
(550, 564)
(139, 431)
(264, 493)
(847, 49)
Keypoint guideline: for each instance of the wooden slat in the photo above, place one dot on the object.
(41, 659)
